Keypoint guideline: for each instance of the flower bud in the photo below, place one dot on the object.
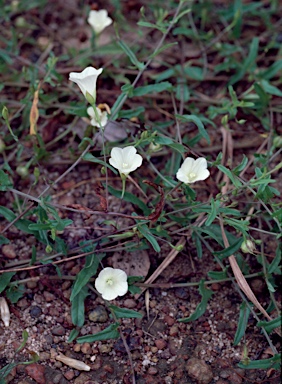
(248, 246)
(22, 171)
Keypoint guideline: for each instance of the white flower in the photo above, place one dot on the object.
(86, 80)
(193, 170)
(99, 20)
(111, 283)
(125, 159)
(103, 116)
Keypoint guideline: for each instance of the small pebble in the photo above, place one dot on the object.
(108, 368)
(130, 303)
(152, 371)
(199, 370)
(160, 344)
(86, 349)
(99, 314)
(8, 250)
(104, 348)
(169, 320)
(58, 330)
(69, 375)
(173, 330)
(35, 311)
(48, 296)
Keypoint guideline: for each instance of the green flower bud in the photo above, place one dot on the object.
(248, 246)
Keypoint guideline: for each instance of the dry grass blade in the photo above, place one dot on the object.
(170, 257)
(242, 282)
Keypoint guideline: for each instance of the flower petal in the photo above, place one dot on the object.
(116, 158)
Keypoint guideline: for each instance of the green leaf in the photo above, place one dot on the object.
(196, 73)
(275, 264)
(272, 70)
(194, 119)
(77, 307)
(131, 55)
(130, 198)
(129, 113)
(248, 63)
(214, 210)
(218, 275)
(89, 270)
(230, 250)
(125, 313)
(5, 182)
(144, 230)
(270, 89)
(4, 240)
(111, 332)
(73, 335)
(182, 92)
(241, 166)
(273, 362)
(228, 173)
(93, 159)
(242, 323)
(198, 245)
(152, 88)
(269, 326)
(5, 280)
(202, 306)
(15, 293)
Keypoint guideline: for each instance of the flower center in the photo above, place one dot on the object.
(191, 176)
(124, 165)
(109, 281)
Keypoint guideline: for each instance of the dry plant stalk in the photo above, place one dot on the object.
(170, 257)
(76, 364)
(4, 311)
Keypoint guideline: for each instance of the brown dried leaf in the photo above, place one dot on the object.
(34, 114)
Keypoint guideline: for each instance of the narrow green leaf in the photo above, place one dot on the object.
(218, 275)
(89, 270)
(202, 306)
(129, 113)
(152, 88)
(125, 313)
(230, 250)
(93, 159)
(131, 55)
(130, 198)
(5, 182)
(214, 211)
(5, 280)
(270, 89)
(4, 240)
(228, 173)
(77, 307)
(144, 230)
(273, 362)
(269, 326)
(73, 335)
(242, 323)
(198, 244)
(111, 332)
(15, 293)
(241, 166)
(194, 119)
(276, 262)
